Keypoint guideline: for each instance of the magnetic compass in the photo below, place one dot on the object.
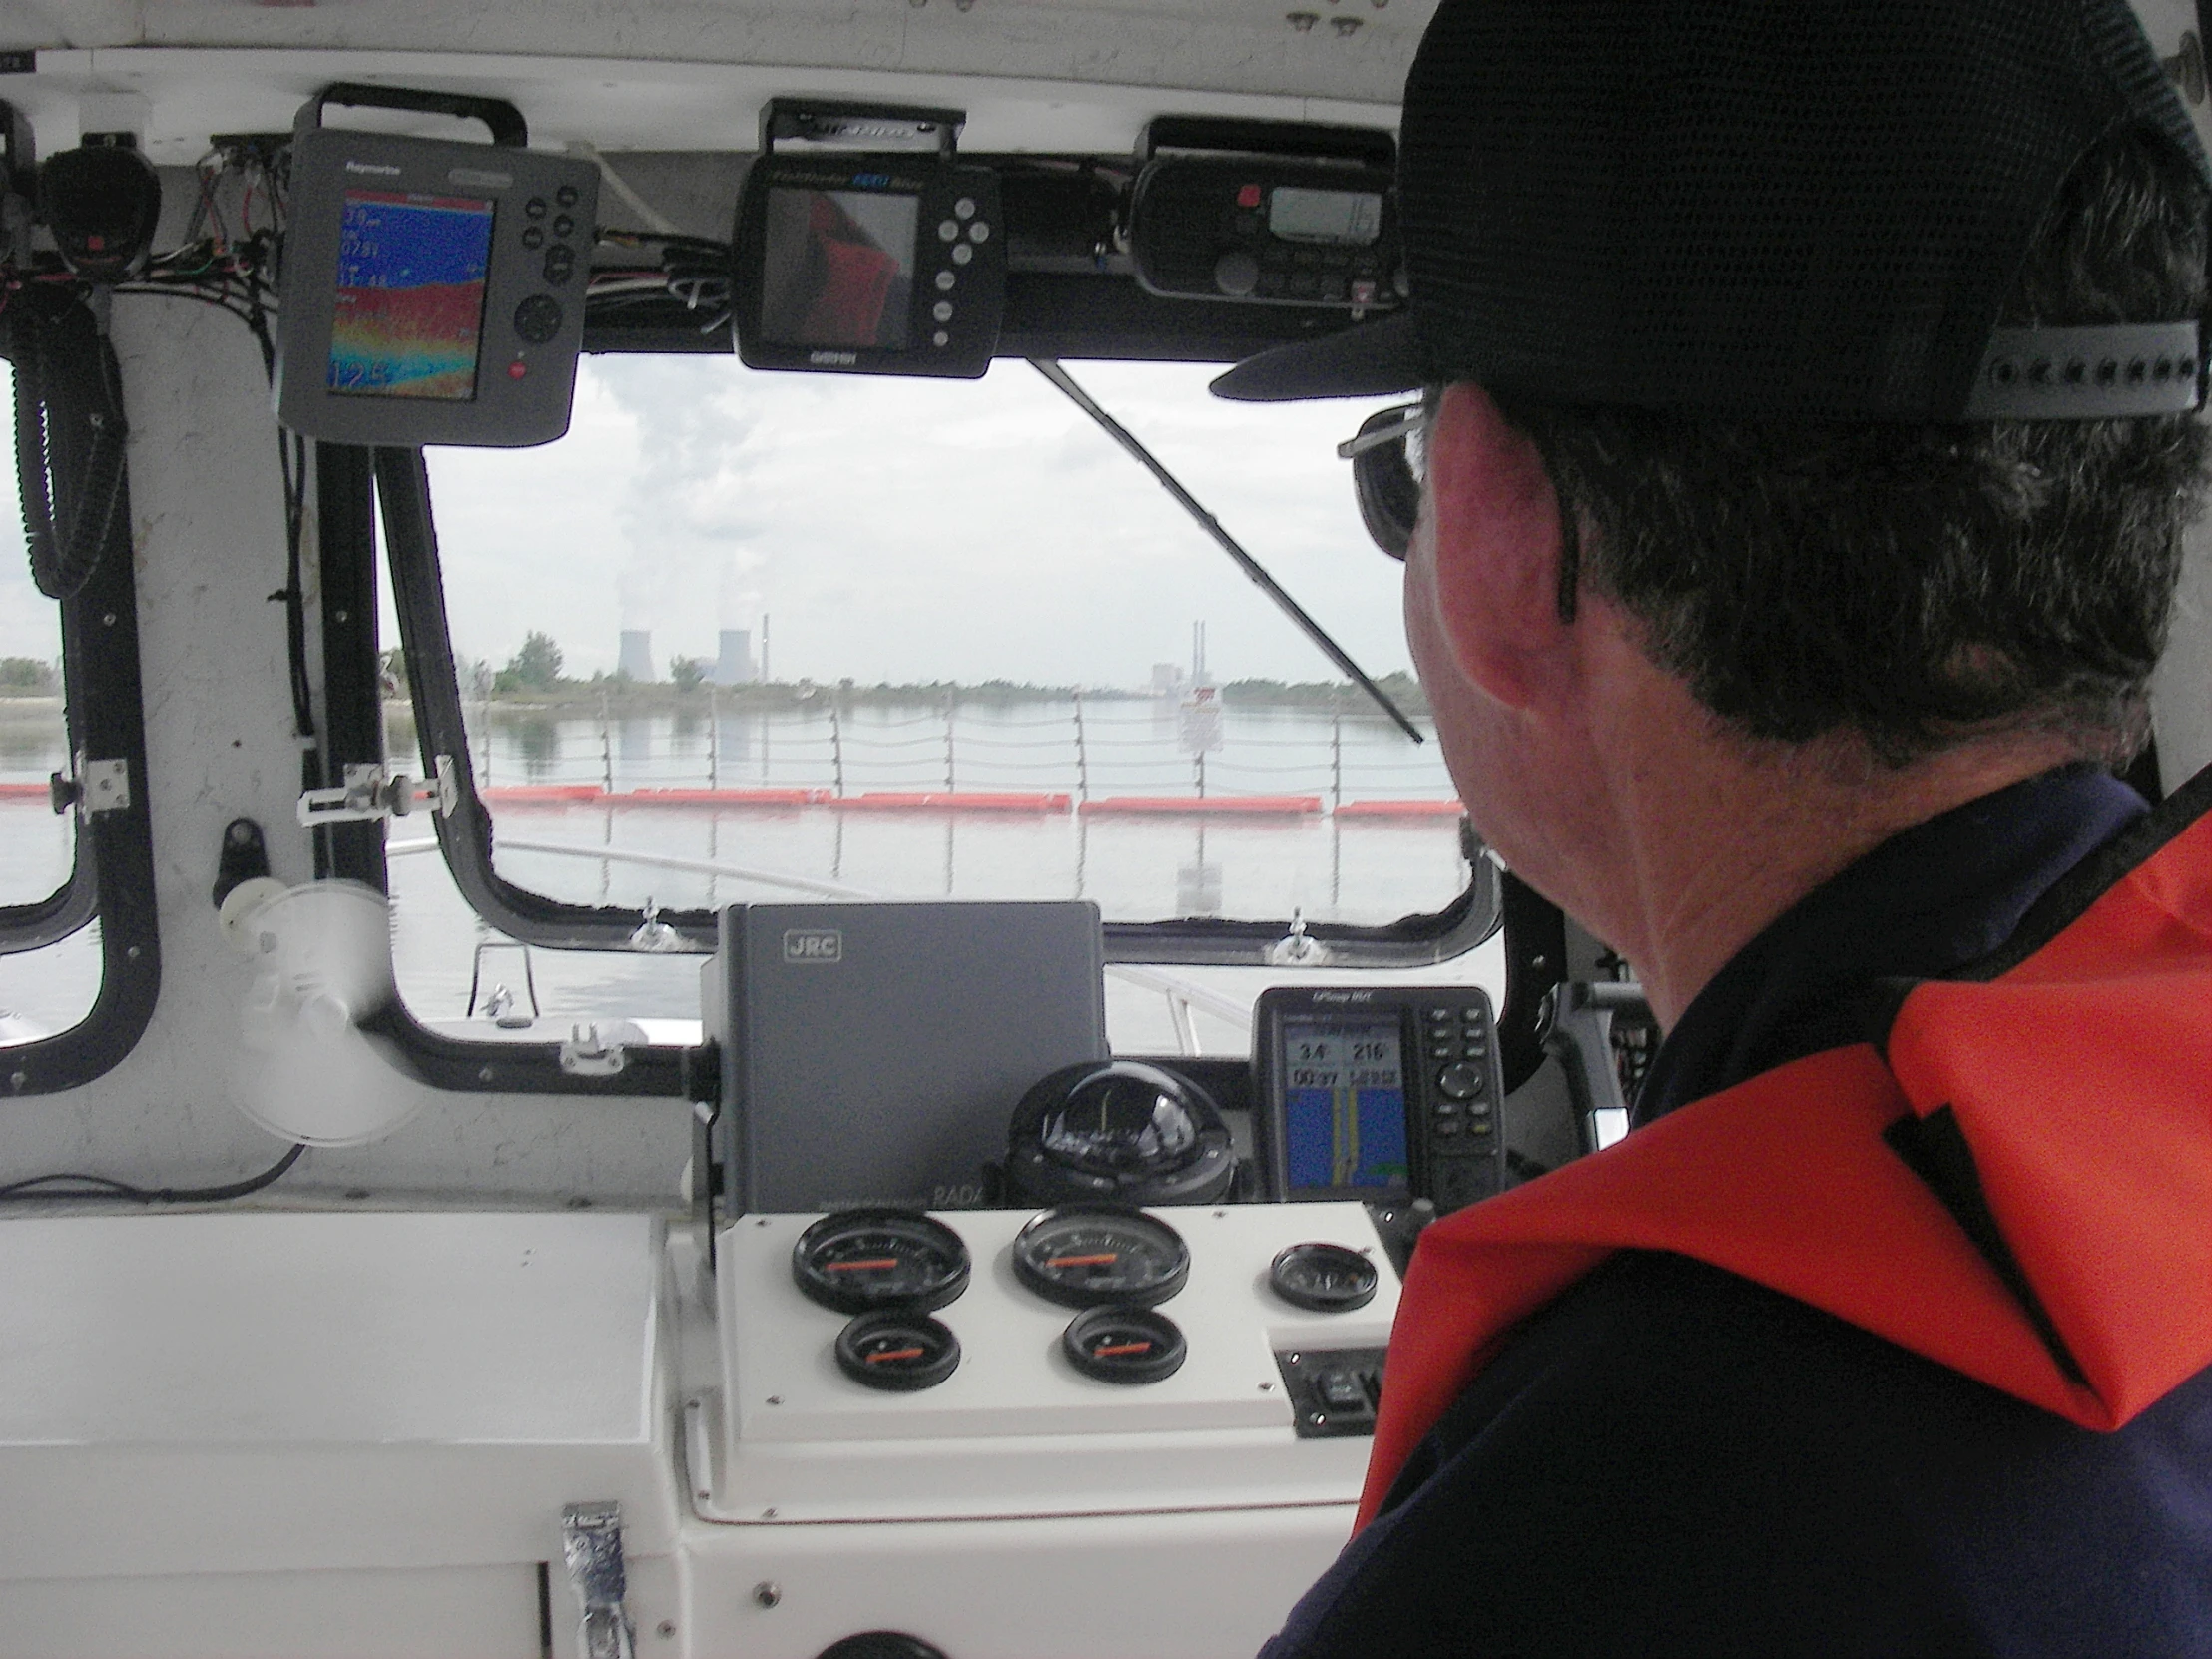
(1322, 1277)
(1123, 1345)
(1086, 1255)
(855, 1261)
(897, 1349)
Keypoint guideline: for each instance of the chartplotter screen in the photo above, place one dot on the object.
(410, 303)
(1344, 1104)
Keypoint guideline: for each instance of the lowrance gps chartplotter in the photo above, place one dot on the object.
(868, 260)
(432, 292)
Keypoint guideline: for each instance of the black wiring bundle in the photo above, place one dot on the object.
(693, 271)
(99, 1186)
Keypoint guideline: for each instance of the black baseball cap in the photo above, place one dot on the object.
(1756, 208)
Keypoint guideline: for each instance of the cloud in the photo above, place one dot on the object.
(914, 529)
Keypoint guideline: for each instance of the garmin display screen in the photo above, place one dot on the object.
(838, 267)
(408, 317)
(1344, 1106)
(1342, 218)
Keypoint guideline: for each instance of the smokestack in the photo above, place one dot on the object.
(734, 664)
(635, 658)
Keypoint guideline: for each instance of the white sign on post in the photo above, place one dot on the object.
(1200, 726)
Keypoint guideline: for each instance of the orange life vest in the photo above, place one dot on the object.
(2073, 1093)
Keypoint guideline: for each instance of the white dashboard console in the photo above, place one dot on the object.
(1016, 1429)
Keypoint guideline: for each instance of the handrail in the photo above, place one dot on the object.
(1182, 994)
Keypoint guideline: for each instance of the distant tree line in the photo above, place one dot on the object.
(26, 677)
(534, 674)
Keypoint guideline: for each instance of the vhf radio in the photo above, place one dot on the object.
(1391, 1095)
(1266, 213)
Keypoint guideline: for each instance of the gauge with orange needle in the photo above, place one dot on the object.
(1123, 1345)
(897, 1349)
(1089, 1255)
(856, 1261)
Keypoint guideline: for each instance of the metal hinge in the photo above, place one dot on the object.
(372, 793)
(591, 1545)
(98, 787)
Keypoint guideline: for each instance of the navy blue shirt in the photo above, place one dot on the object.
(1670, 1459)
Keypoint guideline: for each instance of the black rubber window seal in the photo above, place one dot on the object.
(113, 875)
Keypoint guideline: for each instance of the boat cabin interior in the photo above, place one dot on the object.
(651, 1000)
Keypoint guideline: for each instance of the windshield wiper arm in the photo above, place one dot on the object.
(1051, 370)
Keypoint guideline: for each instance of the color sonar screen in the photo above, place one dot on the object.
(1343, 1107)
(409, 312)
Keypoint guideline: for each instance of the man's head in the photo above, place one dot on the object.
(1916, 583)
(1832, 363)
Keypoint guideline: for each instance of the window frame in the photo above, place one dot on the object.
(466, 836)
(113, 876)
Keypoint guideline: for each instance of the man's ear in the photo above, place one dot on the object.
(1495, 523)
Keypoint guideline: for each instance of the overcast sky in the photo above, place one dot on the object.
(902, 530)
(912, 530)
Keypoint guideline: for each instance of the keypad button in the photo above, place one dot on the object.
(948, 230)
(538, 318)
(980, 231)
(563, 225)
(942, 311)
(962, 253)
(940, 337)
(567, 195)
(560, 264)
(964, 207)
(1448, 1127)
(534, 208)
(533, 235)
(1463, 1081)
(945, 279)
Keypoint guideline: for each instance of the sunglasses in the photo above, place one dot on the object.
(1387, 455)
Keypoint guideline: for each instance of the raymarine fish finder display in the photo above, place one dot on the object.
(432, 292)
(867, 264)
(407, 317)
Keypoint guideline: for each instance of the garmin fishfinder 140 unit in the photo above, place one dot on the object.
(433, 292)
(867, 263)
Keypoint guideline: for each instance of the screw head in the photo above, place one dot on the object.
(665, 1629)
(768, 1592)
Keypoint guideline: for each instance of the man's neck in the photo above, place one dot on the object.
(1722, 834)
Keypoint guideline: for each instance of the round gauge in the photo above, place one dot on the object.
(1087, 1255)
(897, 1349)
(858, 1260)
(1322, 1277)
(1123, 1345)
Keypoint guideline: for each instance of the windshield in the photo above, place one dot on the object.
(748, 636)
